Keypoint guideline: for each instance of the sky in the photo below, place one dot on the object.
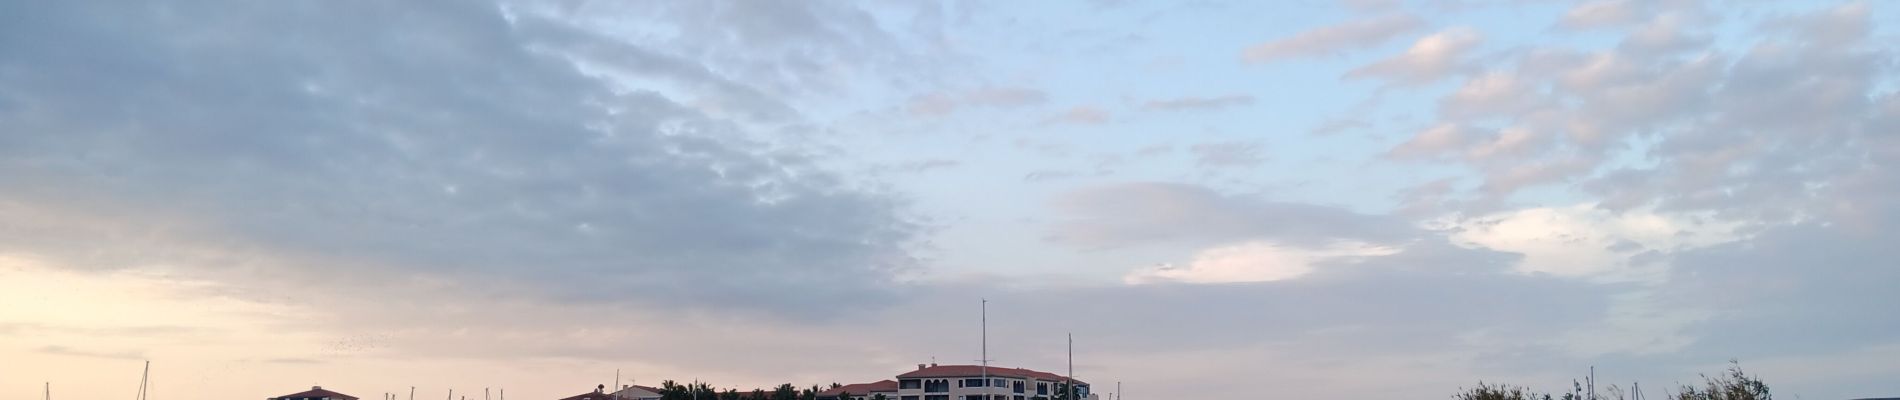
(1305, 199)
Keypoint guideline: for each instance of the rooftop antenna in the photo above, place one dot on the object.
(412, 393)
(504, 393)
(451, 393)
(49, 392)
(485, 394)
(617, 386)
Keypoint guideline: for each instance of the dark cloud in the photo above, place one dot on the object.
(455, 140)
(1807, 289)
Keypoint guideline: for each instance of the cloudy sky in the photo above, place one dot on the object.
(1359, 199)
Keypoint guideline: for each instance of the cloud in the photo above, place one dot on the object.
(1600, 13)
(927, 165)
(1199, 103)
(330, 156)
(1707, 121)
(1082, 115)
(1372, 5)
(1252, 262)
(1583, 240)
(1431, 58)
(67, 351)
(1784, 286)
(1146, 213)
(1339, 125)
(940, 104)
(1228, 154)
(1335, 39)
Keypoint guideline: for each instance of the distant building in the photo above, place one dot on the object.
(965, 382)
(315, 393)
(862, 391)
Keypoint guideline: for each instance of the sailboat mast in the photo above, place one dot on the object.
(143, 377)
(1071, 393)
(986, 350)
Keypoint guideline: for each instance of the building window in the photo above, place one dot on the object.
(937, 397)
(907, 398)
(996, 383)
(973, 397)
(1017, 387)
(910, 384)
(1019, 397)
(1042, 389)
(973, 382)
(936, 386)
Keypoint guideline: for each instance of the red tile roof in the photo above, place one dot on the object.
(972, 371)
(861, 388)
(317, 392)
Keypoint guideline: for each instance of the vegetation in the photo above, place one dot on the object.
(670, 390)
(1730, 385)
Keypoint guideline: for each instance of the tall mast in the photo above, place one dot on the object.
(1593, 382)
(616, 383)
(143, 377)
(986, 349)
(1071, 393)
(49, 392)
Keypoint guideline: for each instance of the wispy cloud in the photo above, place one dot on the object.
(1335, 39)
(1087, 115)
(1199, 103)
(1430, 58)
(68, 351)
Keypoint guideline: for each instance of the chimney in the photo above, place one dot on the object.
(920, 367)
(316, 388)
(933, 364)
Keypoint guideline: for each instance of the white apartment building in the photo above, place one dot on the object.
(966, 382)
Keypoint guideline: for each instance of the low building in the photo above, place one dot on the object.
(862, 391)
(637, 392)
(599, 393)
(315, 393)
